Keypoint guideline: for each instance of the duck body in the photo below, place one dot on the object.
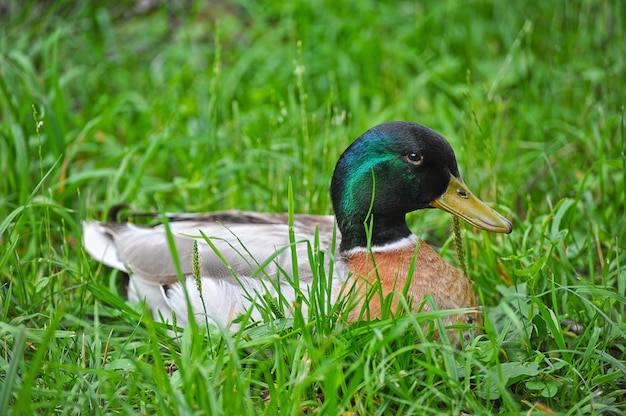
(243, 256)
(392, 169)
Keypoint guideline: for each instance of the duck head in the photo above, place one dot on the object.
(396, 168)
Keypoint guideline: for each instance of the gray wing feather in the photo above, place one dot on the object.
(242, 244)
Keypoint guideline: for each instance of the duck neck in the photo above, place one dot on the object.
(373, 232)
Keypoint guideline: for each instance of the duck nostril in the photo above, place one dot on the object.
(462, 193)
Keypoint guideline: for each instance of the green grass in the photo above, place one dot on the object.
(199, 106)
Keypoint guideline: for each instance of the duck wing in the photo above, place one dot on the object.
(230, 244)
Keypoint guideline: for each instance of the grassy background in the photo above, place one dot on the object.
(200, 106)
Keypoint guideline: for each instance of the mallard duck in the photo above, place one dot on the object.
(391, 170)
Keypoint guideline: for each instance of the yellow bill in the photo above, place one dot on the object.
(460, 201)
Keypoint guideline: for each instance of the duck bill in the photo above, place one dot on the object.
(459, 201)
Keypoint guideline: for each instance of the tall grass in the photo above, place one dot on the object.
(200, 106)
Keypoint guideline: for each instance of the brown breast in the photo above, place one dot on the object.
(377, 275)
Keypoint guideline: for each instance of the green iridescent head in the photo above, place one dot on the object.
(392, 169)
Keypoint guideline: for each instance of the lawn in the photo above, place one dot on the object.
(209, 105)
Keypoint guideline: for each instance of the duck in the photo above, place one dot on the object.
(230, 261)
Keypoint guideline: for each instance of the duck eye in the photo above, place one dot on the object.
(414, 158)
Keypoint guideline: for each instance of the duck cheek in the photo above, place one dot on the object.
(433, 185)
(398, 201)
